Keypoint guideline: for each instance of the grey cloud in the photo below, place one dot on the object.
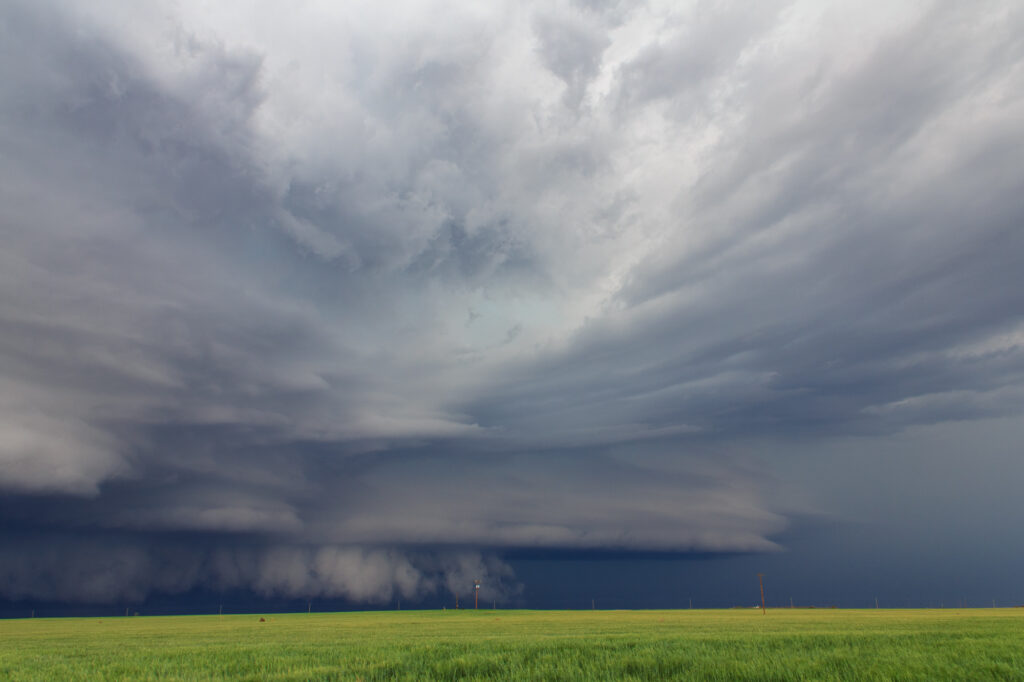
(571, 45)
(39, 452)
(100, 570)
(590, 500)
(95, 269)
(235, 282)
(804, 285)
(700, 43)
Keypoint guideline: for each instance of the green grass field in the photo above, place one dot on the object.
(539, 645)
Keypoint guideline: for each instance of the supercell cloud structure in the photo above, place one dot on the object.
(350, 299)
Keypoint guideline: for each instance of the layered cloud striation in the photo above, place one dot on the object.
(350, 299)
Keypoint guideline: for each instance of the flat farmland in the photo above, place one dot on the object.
(531, 645)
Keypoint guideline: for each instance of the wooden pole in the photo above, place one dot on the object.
(760, 582)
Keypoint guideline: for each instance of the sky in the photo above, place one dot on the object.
(625, 302)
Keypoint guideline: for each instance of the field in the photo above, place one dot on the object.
(539, 645)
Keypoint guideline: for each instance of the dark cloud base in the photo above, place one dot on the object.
(826, 564)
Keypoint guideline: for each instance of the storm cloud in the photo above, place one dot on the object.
(352, 299)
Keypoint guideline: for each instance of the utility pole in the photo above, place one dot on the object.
(476, 594)
(876, 602)
(691, 602)
(790, 602)
(456, 601)
(760, 582)
(592, 607)
(309, 607)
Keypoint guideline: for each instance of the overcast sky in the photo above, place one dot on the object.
(362, 299)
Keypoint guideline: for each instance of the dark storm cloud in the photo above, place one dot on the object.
(101, 569)
(334, 315)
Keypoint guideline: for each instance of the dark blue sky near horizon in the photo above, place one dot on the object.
(622, 302)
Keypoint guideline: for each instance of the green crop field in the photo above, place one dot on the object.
(539, 645)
